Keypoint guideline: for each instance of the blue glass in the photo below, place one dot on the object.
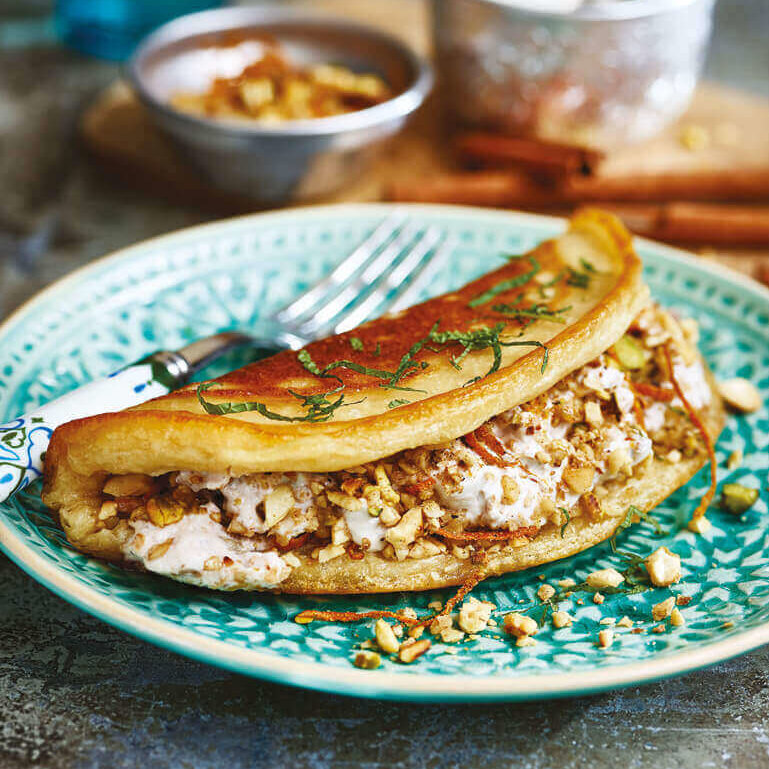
(111, 29)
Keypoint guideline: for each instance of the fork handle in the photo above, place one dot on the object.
(24, 440)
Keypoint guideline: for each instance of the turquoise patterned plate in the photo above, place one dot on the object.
(166, 291)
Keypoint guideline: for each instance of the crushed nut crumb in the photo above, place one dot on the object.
(545, 592)
(367, 660)
(740, 394)
(734, 460)
(676, 618)
(385, 637)
(451, 635)
(561, 619)
(520, 625)
(664, 567)
(605, 578)
(699, 525)
(662, 609)
(474, 615)
(408, 653)
(606, 638)
(444, 622)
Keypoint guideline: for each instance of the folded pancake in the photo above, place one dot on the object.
(499, 427)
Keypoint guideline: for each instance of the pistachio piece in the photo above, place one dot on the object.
(163, 511)
(630, 354)
(737, 499)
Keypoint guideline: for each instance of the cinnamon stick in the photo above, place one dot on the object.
(698, 223)
(551, 159)
(722, 185)
(483, 188)
(515, 190)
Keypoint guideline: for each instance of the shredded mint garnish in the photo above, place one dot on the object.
(353, 366)
(577, 279)
(580, 279)
(507, 285)
(319, 407)
(306, 360)
(534, 312)
(636, 578)
(481, 339)
(566, 515)
(390, 378)
(627, 521)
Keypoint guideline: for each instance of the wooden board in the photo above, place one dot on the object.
(118, 131)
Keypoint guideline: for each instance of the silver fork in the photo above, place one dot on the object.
(386, 272)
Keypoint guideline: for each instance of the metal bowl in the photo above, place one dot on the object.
(284, 162)
(607, 73)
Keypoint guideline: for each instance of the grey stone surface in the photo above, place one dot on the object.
(76, 693)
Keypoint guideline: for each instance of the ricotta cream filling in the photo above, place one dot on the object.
(201, 552)
(480, 496)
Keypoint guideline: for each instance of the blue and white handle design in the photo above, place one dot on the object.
(23, 441)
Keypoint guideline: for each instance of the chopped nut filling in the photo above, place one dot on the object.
(545, 462)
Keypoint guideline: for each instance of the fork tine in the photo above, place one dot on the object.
(326, 287)
(362, 284)
(415, 261)
(422, 277)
